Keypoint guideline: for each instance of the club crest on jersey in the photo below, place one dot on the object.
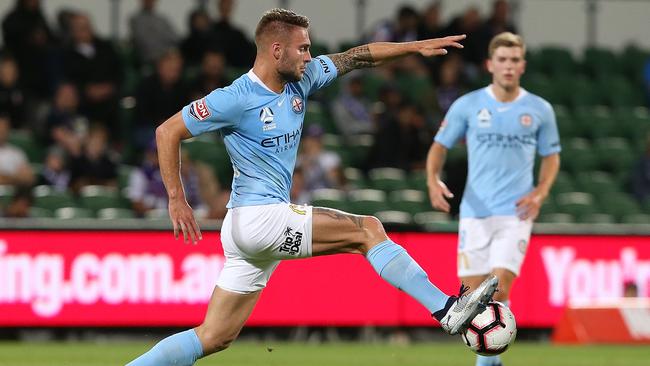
(199, 110)
(484, 118)
(526, 120)
(266, 116)
(297, 104)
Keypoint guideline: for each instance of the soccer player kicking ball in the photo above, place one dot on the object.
(260, 117)
(504, 126)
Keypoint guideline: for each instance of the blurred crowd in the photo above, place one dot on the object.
(92, 104)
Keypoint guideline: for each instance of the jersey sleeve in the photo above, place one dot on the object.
(454, 126)
(548, 138)
(221, 108)
(319, 73)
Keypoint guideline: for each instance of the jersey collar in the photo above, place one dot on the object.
(522, 93)
(251, 75)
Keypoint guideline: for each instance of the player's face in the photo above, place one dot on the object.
(506, 65)
(295, 55)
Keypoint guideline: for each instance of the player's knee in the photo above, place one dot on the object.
(373, 230)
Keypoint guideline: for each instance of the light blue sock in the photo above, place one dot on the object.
(180, 349)
(397, 267)
(490, 360)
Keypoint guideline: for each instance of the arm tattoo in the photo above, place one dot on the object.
(339, 215)
(355, 58)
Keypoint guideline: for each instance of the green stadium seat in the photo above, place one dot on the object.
(617, 91)
(115, 213)
(577, 156)
(580, 91)
(615, 154)
(556, 61)
(556, 218)
(597, 122)
(563, 183)
(431, 217)
(548, 207)
(418, 180)
(97, 197)
(357, 150)
(576, 203)
(372, 83)
(631, 62)
(6, 193)
(635, 124)
(331, 198)
(367, 201)
(46, 197)
(416, 88)
(392, 217)
(597, 218)
(388, 179)
(69, 213)
(355, 178)
(597, 183)
(40, 213)
(542, 85)
(123, 175)
(409, 200)
(25, 142)
(157, 214)
(619, 204)
(636, 219)
(598, 62)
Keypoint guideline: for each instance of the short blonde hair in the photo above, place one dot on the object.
(506, 39)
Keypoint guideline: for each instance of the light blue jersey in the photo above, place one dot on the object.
(261, 130)
(502, 139)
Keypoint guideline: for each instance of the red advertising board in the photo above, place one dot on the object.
(144, 278)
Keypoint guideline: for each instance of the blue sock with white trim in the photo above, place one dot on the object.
(490, 360)
(397, 267)
(180, 349)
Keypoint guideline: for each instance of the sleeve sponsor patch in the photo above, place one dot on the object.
(199, 110)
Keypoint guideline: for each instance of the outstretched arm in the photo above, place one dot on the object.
(375, 54)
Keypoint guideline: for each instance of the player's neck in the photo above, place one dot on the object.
(504, 95)
(269, 77)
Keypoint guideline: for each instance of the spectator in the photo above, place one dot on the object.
(93, 65)
(65, 126)
(212, 75)
(12, 98)
(449, 82)
(54, 172)
(469, 23)
(29, 38)
(14, 166)
(352, 110)
(320, 168)
(200, 39)
(159, 96)
(403, 29)
(20, 203)
(430, 25)
(402, 140)
(152, 33)
(95, 165)
(641, 175)
(299, 193)
(498, 22)
(239, 51)
(147, 191)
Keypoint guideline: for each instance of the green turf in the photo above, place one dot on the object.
(290, 354)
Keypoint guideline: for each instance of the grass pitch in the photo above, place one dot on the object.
(340, 354)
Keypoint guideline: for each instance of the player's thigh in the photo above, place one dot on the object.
(226, 315)
(335, 231)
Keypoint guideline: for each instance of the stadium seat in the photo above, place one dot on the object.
(157, 214)
(25, 141)
(68, 213)
(598, 62)
(332, 198)
(597, 218)
(6, 193)
(367, 201)
(556, 218)
(556, 61)
(372, 84)
(577, 156)
(576, 203)
(597, 122)
(97, 197)
(431, 217)
(388, 179)
(638, 218)
(597, 183)
(614, 154)
(409, 200)
(39, 213)
(548, 207)
(46, 197)
(617, 91)
(418, 180)
(618, 204)
(563, 183)
(582, 91)
(123, 174)
(392, 217)
(115, 213)
(635, 125)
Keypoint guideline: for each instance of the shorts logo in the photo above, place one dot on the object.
(266, 116)
(484, 118)
(526, 120)
(292, 242)
(522, 245)
(299, 209)
(297, 105)
(199, 110)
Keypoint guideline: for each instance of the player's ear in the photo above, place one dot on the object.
(488, 65)
(277, 50)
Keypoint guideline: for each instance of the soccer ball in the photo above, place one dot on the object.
(492, 331)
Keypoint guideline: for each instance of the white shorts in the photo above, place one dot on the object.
(256, 238)
(492, 242)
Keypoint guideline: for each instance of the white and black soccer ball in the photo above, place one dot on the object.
(492, 331)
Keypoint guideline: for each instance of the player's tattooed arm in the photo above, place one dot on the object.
(375, 54)
(339, 215)
(355, 58)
